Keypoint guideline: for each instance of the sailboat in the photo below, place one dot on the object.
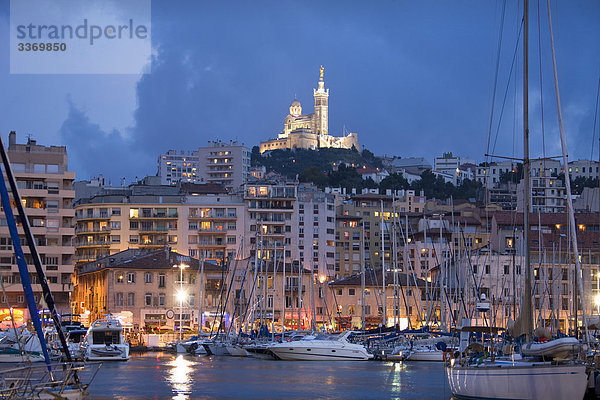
(49, 380)
(514, 377)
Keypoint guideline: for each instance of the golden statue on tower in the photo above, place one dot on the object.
(321, 73)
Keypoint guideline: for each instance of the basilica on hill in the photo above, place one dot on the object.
(310, 131)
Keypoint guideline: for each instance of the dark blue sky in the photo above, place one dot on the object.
(411, 78)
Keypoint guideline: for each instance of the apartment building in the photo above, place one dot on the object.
(489, 175)
(548, 193)
(150, 289)
(45, 185)
(404, 301)
(371, 210)
(176, 167)
(198, 220)
(225, 163)
(299, 217)
(584, 169)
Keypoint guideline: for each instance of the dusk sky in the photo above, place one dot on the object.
(411, 78)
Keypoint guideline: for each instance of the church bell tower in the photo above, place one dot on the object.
(321, 107)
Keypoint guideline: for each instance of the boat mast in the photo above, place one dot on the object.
(527, 313)
(570, 210)
(362, 277)
(383, 316)
(282, 295)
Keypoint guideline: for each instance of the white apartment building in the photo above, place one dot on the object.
(299, 217)
(176, 167)
(489, 176)
(583, 169)
(224, 163)
(45, 186)
(548, 194)
(220, 162)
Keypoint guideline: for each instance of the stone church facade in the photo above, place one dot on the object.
(310, 131)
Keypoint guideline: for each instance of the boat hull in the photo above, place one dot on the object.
(518, 381)
(236, 350)
(260, 352)
(436, 356)
(311, 353)
(216, 349)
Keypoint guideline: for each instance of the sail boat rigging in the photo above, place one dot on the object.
(509, 377)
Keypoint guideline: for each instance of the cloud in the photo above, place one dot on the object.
(93, 151)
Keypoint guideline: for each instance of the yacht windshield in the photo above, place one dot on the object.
(106, 337)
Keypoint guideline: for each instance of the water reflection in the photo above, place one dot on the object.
(179, 377)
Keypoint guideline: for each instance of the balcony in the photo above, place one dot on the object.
(212, 230)
(155, 216)
(92, 243)
(93, 230)
(98, 215)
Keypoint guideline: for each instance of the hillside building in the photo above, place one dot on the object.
(310, 131)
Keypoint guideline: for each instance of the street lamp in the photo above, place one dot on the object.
(181, 295)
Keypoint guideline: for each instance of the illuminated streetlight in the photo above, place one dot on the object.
(181, 295)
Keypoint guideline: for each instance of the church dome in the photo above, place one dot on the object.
(295, 108)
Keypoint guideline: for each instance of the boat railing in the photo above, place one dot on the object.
(59, 380)
(106, 322)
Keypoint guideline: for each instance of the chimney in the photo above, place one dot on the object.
(12, 139)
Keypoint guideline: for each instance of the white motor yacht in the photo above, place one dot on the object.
(104, 341)
(321, 348)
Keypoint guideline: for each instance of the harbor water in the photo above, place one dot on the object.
(171, 376)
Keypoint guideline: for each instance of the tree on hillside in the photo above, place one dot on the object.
(314, 175)
(346, 177)
(394, 181)
(434, 187)
(468, 189)
(255, 157)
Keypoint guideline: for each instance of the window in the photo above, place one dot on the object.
(133, 238)
(162, 280)
(339, 292)
(115, 225)
(161, 299)
(116, 211)
(115, 239)
(119, 299)
(148, 277)
(148, 299)
(351, 292)
(351, 309)
(119, 278)
(134, 213)
(506, 270)
(131, 277)
(130, 299)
